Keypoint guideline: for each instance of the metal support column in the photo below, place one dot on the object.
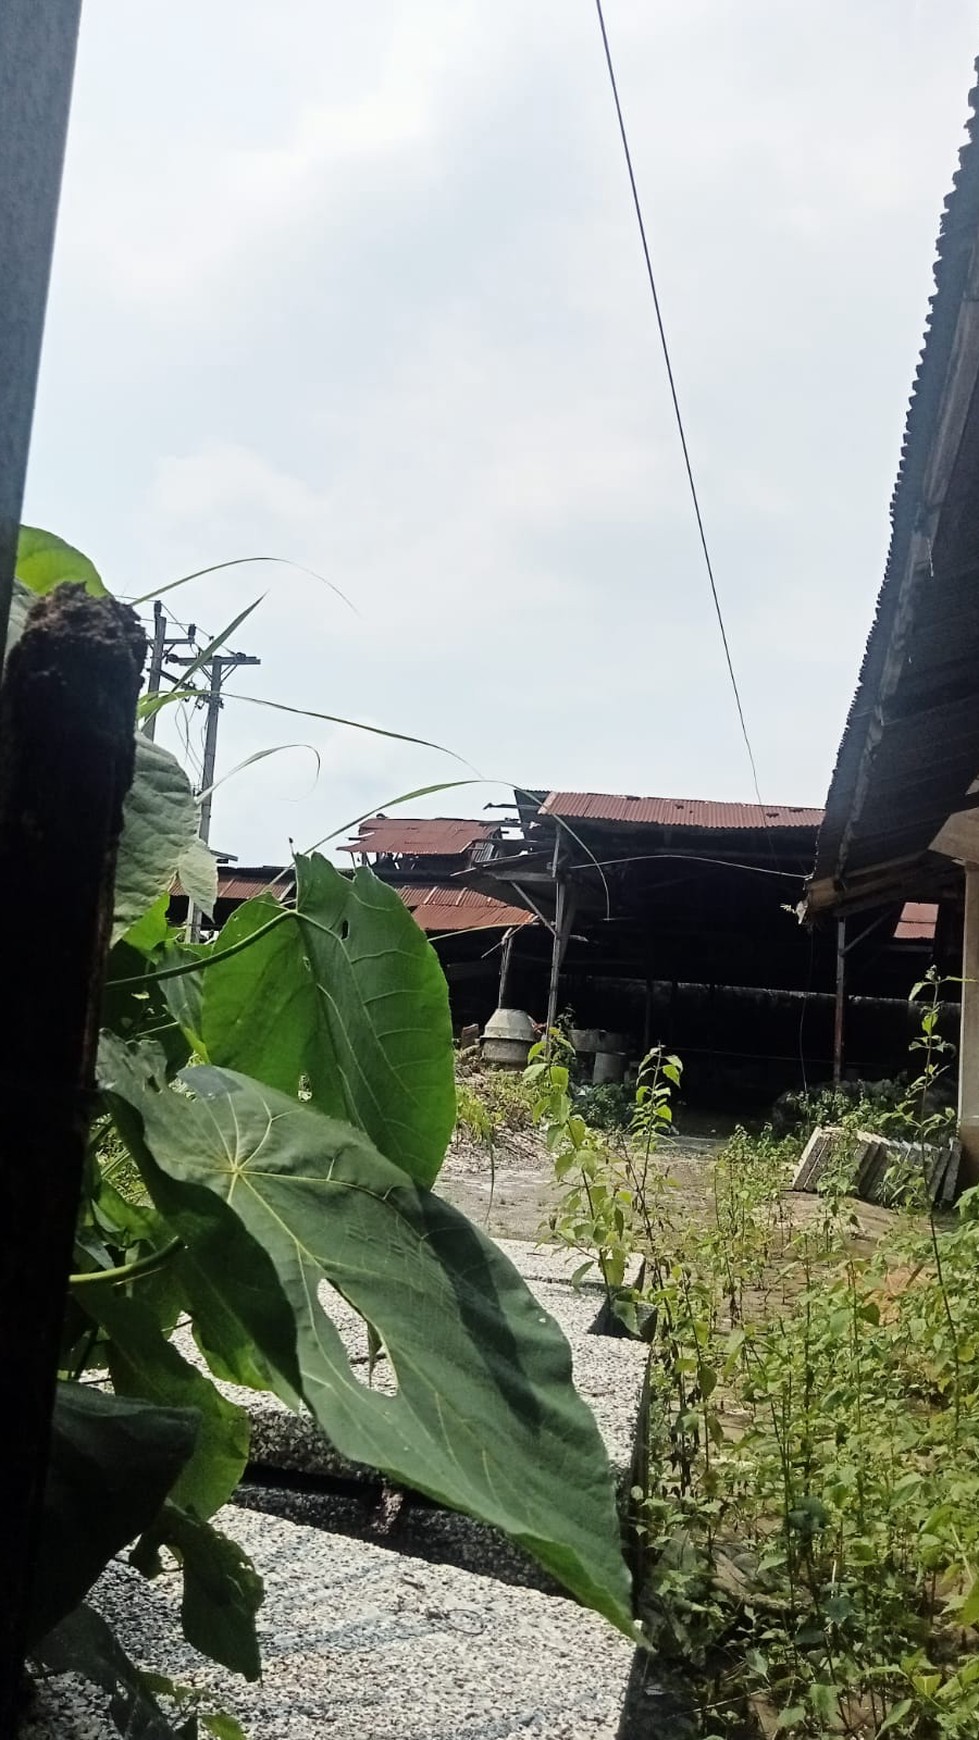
(557, 951)
(505, 959)
(840, 1008)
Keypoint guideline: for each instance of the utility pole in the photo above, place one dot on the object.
(217, 668)
(160, 651)
(157, 652)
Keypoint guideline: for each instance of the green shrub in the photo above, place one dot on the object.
(492, 1104)
(875, 1102)
(606, 1105)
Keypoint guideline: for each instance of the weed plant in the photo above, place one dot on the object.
(806, 1482)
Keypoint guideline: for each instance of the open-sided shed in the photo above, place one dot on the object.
(902, 814)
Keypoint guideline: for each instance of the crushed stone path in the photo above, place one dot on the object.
(386, 1639)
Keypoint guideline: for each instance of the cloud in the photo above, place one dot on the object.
(362, 288)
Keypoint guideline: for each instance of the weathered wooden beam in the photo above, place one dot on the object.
(37, 60)
(67, 712)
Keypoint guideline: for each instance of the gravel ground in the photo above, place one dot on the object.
(608, 1373)
(440, 1631)
(371, 1645)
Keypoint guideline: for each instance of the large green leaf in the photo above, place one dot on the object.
(240, 1318)
(152, 930)
(112, 1463)
(197, 873)
(83, 1644)
(134, 1000)
(44, 561)
(143, 1363)
(348, 999)
(159, 828)
(222, 1589)
(486, 1417)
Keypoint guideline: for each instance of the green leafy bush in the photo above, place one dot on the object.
(806, 1475)
(492, 1104)
(873, 1105)
(610, 1203)
(606, 1105)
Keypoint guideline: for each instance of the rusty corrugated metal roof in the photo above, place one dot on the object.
(675, 812)
(917, 922)
(420, 837)
(245, 881)
(441, 909)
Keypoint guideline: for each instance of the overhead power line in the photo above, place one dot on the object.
(676, 402)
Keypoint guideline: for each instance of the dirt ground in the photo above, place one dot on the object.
(511, 1195)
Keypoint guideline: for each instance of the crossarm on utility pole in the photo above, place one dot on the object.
(217, 668)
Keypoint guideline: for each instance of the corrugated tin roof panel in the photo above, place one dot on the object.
(442, 909)
(675, 812)
(245, 881)
(419, 837)
(917, 922)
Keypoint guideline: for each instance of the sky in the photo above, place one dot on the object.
(360, 287)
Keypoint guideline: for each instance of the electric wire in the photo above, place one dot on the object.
(690, 858)
(681, 430)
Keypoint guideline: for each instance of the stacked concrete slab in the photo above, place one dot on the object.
(879, 1167)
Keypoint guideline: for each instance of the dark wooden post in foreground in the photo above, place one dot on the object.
(67, 708)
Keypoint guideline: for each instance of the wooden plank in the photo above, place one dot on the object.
(37, 58)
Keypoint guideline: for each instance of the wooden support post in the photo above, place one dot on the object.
(969, 1032)
(557, 951)
(67, 720)
(840, 1007)
(505, 959)
(647, 1017)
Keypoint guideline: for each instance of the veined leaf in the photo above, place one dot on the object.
(486, 1418)
(150, 931)
(222, 1590)
(968, 1613)
(241, 1319)
(223, 1726)
(83, 1644)
(45, 561)
(144, 1364)
(349, 998)
(134, 1003)
(159, 825)
(113, 1461)
(197, 873)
